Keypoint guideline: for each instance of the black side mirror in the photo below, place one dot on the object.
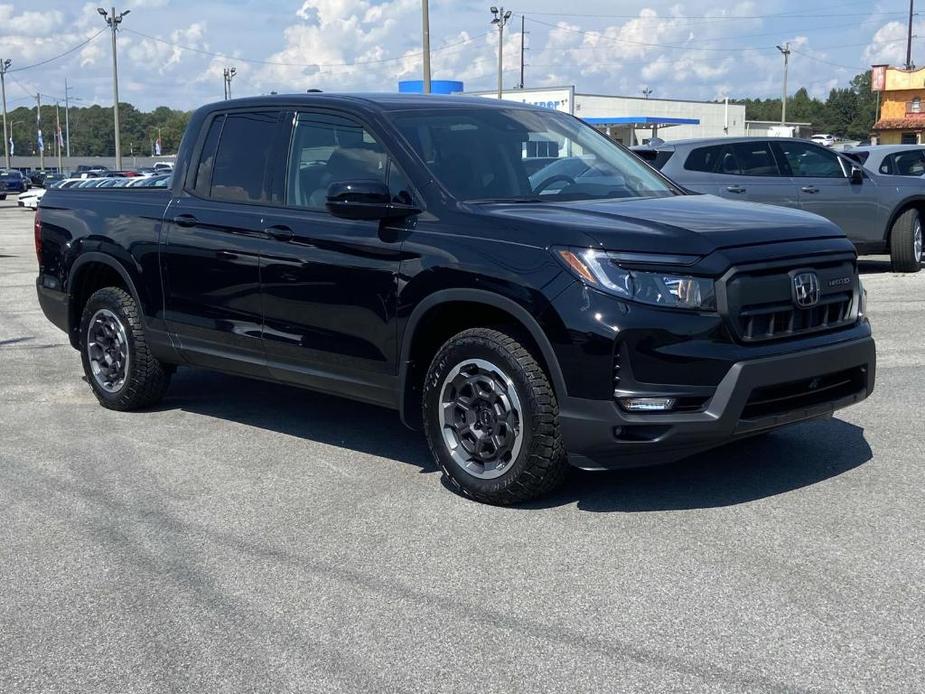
(365, 200)
(856, 175)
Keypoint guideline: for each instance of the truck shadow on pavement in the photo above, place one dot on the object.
(780, 462)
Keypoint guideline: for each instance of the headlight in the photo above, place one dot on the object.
(601, 269)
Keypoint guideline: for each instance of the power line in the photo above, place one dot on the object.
(60, 55)
(318, 65)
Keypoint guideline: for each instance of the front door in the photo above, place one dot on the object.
(329, 284)
(822, 179)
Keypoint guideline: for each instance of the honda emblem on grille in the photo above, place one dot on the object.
(805, 289)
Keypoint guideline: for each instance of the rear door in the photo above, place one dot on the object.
(746, 171)
(330, 284)
(215, 234)
(821, 177)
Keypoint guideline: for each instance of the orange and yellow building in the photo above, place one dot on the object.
(902, 105)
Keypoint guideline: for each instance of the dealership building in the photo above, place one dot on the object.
(635, 120)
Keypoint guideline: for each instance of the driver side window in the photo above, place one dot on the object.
(811, 161)
(326, 149)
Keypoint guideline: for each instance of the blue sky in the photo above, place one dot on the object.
(696, 49)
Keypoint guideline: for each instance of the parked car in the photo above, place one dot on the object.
(892, 160)
(879, 213)
(52, 178)
(12, 181)
(615, 322)
(31, 198)
(824, 139)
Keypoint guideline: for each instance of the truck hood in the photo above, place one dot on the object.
(684, 224)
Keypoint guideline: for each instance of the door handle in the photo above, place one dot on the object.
(735, 189)
(185, 220)
(810, 189)
(280, 232)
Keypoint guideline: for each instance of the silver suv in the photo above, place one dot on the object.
(879, 213)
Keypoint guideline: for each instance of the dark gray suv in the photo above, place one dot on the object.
(879, 213)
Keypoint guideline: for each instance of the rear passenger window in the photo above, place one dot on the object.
(755, 159)
(703, 159)
(203, 181)
(326, 149)
(241, 169)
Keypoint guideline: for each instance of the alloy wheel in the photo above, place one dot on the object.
(480, 417)
(107, 350)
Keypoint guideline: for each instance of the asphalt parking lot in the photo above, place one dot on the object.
(251, 537)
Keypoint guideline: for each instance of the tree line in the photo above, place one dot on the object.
(91, 130)
(848, 112)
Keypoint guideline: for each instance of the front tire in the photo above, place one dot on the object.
(492, 419)
(906, 242)
(117, 361)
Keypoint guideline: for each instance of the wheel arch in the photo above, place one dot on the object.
(415, 345)
(917, 202)
(90, 272)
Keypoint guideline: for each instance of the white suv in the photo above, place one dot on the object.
(824, 139)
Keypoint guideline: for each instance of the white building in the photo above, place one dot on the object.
(634, 120)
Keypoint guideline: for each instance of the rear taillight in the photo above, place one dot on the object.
(37, 228)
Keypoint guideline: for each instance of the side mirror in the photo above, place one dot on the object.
(365, 200)
(856, 175)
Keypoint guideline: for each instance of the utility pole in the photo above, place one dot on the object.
(67, 120)
(58, 137)
(500, 20)
(523, 33)
(4, 66)
(114, 20)
(229, 73)
(647, 92)
(909, 64)
(425, 37)
(785, 51)
(40, 139)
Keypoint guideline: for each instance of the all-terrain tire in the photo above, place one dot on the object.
(540, 464)
(146, 379)
(906, 242)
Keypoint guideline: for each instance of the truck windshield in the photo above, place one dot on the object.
(500, 155)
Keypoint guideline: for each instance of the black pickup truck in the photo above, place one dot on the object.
(405, 251)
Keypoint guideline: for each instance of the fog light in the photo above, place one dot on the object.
(647, 404)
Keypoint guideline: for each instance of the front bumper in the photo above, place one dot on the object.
(599, 434)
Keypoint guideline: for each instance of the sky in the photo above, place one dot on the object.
(172, 52)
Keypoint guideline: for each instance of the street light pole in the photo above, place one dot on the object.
(500, 19)
(4, 66)
(229, 72)
(114, 20)
(785, 51)
(425, 36)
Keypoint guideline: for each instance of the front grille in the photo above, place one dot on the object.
(785, 397)
(760, 304)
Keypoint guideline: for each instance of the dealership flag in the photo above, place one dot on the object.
(41, 142)
(60, 137)
(157, 147)
(12, 146)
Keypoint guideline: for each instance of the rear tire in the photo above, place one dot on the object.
(492, 419)
(117, 361)
(906, 242)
